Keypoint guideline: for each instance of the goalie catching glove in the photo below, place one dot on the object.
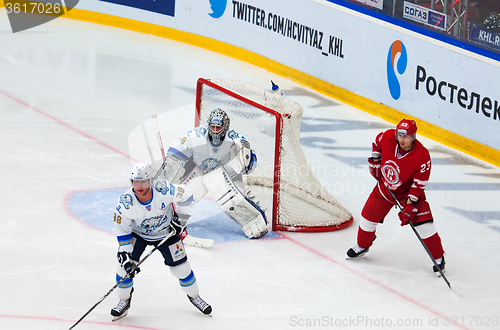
(179, 223)
(127, 263)
(243, 159)
(408, 214)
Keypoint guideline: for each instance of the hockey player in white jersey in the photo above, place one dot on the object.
(144, 216)
(212, 158)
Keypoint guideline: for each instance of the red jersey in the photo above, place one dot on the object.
(405, 173)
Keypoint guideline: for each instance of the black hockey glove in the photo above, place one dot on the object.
(179, 223)
(127, 263)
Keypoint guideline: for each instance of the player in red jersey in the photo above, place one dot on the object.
(401, 163)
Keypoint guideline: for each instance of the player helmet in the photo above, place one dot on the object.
(218, 125)
(141, 172)
(406, 127)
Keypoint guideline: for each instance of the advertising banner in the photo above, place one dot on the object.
(374, 3)
(425, 16)
(441, 84)
(484, 36)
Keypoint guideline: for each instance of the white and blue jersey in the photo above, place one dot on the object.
(150, 220)
(195, 145)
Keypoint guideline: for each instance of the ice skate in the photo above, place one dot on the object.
(121, 309)
(356, 252)
(441, 267)
(201, 304)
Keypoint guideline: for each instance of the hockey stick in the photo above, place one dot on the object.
(158, 135)
(169, 235)
(188, 239)
(420, 239)
(198, 242)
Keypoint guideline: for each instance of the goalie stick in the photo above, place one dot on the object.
(198, 241)
(169, 235)
(188, 239)
(420, 239)
(158, 135)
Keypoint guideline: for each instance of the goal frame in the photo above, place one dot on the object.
(277, 160)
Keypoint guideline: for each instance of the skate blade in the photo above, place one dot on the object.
(438, 274)
(356, 257)
(116, 318)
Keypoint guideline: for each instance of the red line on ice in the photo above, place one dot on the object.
(64, 124)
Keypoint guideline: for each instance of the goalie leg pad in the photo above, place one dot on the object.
(194, 182)
(235, 204)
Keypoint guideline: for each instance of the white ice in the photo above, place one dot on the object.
(71, 93)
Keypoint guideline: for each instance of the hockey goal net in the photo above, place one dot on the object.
(271, 123)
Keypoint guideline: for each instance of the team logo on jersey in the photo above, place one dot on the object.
(150, 225)
(209, 164)
(233, 135)
(390, 171)
(200, 131)
(148, 207)
(218, 8)
(126, 200)
(397, 47)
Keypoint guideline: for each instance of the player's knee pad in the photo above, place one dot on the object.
(235, 203)
(367, 225)
(426, 230)
(181, 271)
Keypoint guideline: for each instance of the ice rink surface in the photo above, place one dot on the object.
(70, 95)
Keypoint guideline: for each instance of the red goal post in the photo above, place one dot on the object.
(271, 123)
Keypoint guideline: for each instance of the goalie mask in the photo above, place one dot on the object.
(142, 172)
(218, 125)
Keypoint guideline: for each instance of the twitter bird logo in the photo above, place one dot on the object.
(218, 8)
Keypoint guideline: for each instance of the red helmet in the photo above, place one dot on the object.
(406, 127)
